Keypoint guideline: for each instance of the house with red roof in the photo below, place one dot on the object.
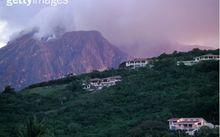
(189, 125)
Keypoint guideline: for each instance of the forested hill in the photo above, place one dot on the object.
(139, 106)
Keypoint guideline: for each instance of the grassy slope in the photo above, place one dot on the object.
(138, 106)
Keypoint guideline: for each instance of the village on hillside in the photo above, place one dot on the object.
(95, 84)
(188, 125)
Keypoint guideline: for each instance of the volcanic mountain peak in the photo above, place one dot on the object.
(27, 60)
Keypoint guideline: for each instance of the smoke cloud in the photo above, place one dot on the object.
(126, 23)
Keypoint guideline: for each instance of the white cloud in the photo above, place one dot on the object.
(6, 32)
(3, 33)
(124, 22)
(2, 44)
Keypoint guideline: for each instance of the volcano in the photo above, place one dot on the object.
(27, 59)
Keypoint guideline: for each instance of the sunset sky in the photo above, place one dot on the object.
(127, 23)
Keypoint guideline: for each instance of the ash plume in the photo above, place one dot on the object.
(126, 22)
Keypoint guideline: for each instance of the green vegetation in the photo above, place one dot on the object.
(33, 128)
(139, 106)
(207, 132)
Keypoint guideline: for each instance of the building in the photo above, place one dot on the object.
(189, 125)
(187, 63)
(206, 57)
(98, 84)
(136, 63)
(199, 59)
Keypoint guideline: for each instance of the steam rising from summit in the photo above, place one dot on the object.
(125, 23)
(52, 20)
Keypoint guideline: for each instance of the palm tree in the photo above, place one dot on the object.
(33, 128)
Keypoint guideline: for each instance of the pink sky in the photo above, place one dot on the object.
(125, 23)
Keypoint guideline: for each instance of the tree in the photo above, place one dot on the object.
(207, 132)
(8, 89)
(33, 128)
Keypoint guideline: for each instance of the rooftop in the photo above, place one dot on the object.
(185, 119)
(173, 119)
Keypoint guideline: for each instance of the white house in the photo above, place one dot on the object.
(199, 59)
(187, 63)
(136, 63)
(98, 84)
(110, 81)
(206, 57)
(189, 125)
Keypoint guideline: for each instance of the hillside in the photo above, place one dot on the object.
(27, 60)
(139, 106)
